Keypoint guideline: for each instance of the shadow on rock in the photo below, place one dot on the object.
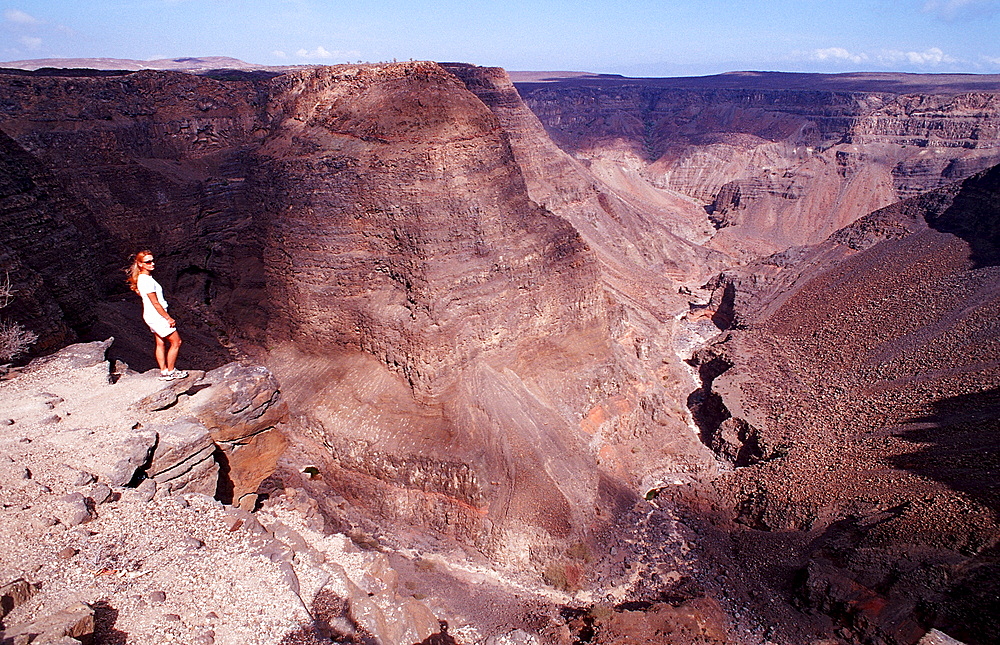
(332, 623)
(105, 617)
(974, 216)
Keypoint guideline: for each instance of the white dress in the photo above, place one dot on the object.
(147, 285)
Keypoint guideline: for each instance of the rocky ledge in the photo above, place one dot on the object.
(113, 530)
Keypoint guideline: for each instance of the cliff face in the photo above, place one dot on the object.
(158, 160)
(399, 223)
(367, 232)
(777, 166)
(50, 251)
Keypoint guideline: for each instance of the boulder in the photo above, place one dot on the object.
(73, 622)
(166, 397)
(182, 460)
(239, 401)
(240, 405)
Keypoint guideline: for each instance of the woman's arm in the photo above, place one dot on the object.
(153, 300)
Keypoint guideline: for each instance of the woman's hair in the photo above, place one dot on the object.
(132, 272)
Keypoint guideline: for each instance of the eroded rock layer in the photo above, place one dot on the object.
(776, 161)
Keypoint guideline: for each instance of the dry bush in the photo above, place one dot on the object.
(14, 338)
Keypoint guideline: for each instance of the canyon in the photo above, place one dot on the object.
(661, 360)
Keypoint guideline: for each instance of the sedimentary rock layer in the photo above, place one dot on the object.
(338, 213)
(775, 162)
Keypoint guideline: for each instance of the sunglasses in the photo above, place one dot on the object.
(149, 261)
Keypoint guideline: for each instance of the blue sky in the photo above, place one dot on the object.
(631, 37)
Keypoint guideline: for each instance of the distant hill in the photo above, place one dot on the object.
(894, 82)
(185, 64)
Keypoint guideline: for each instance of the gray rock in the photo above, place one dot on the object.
(141, 494)
(43, 522)
(134, 454)
(99, 492)
(516, 637)
(157, 596)
(935, 637)
(83, 478)
(183, 458)
(78, 356)
(163, 399)
(72, 509)
(14, 594)
(74, 622)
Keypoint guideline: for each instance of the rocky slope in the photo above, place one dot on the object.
(778, 160)
(113, 531)
(884, 468)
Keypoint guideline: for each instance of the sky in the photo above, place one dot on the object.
(629, 37)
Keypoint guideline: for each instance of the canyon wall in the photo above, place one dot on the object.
(367, 232)
(479, 336)
(775, 161)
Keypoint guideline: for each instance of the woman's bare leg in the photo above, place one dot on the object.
(175, 346)
(161, 354)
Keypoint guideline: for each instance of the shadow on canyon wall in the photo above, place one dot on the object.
(959, 445)
(974, 216)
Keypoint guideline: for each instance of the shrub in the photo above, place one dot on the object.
(14, 338)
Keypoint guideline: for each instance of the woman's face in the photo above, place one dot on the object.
(147, 263)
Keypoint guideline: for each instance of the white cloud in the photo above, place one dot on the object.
(19, 17)
(929, 57)
(319, 52)
(838, 54)
(31, 42)
(322, 53)
(279, 54)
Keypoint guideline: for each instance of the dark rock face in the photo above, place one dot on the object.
(50, 248)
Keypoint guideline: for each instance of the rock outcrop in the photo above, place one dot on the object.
(96, 552)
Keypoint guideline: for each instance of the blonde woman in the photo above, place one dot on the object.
(154, 313)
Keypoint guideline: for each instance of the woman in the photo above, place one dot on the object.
(154, 313)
